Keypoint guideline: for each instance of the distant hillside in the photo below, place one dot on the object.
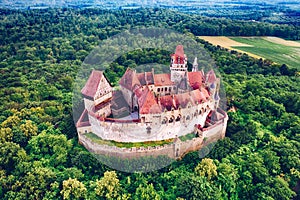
(287, 12)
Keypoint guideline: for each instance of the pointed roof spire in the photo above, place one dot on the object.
(195, 65)
(179, 51)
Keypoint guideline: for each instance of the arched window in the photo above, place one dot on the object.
(171, 119)
(178, 118)
(202, 111)
(188, 117)
(164, 121)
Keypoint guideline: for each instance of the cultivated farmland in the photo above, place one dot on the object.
(275, 49)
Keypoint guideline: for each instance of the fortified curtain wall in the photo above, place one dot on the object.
(174, 150)
(137, 132)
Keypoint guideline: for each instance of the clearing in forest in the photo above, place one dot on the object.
(283, 41)
(272, 48)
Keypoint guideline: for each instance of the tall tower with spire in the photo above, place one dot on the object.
(178, 66)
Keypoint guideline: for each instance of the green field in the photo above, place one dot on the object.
(275, 52)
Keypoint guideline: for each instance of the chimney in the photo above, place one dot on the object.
(152, 70)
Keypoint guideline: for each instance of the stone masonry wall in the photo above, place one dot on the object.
(174, 150)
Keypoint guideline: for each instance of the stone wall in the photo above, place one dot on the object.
(140, 132)
(175, 150)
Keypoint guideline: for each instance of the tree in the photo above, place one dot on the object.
(146, 192)
(73, 189)
(50, 146)
(29, 129)
(196, 188)
(223, 148)
(34, 184)
(10, 155)
(108, 186)
(206, 168)
(5, 135)
(227, 179)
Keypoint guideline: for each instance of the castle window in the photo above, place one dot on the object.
(166, 89)
(170, 89)
(171, 119)
(158, 89)
(164, 121)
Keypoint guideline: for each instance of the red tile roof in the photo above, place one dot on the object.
(141, 94)
(195, 79)
(198, 96)
(129, 80)
(162, 80)
(145, 78)
(147, 102)
(182, 100)
(166, 102)
(179, 51)
(178, 57)
(92, 83)
(204, 92)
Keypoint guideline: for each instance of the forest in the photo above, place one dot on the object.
(41, 52)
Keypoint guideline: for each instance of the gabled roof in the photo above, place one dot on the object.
(141, 94)
(211, 76)
(195, 79)
(198, 96)
(182, 100)
(147, 101)
(162, 80)
(146, 78)
(129, 80)
(166, 102)
(92, 83)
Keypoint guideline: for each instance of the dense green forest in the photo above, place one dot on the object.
(41, 52)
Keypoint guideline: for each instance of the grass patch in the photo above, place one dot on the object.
(98, 140)
(187, 137)
(278, 53)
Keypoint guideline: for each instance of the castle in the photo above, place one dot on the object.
(151, 107)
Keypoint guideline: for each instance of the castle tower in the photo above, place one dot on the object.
(178, 66)
(195, 65)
